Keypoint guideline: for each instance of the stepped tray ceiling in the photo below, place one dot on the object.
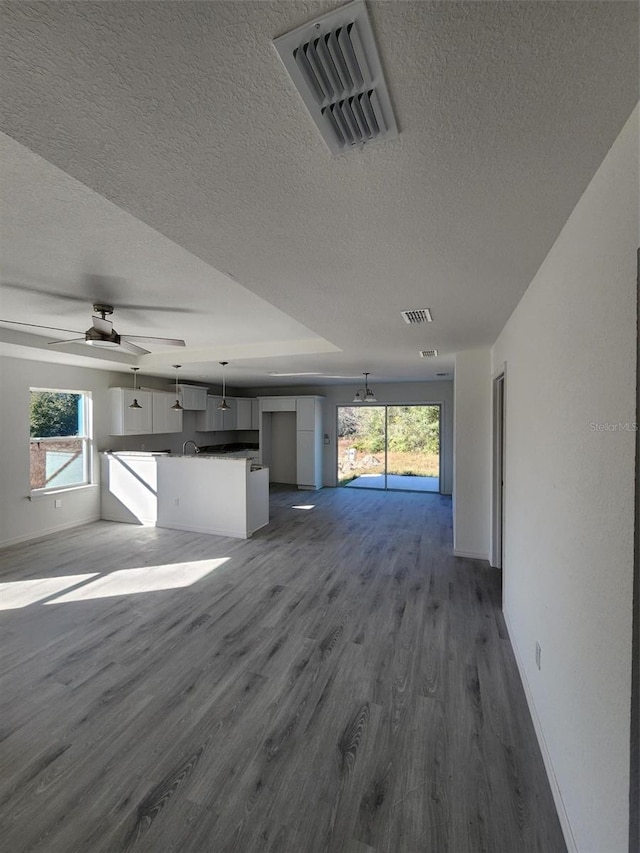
(158, 155)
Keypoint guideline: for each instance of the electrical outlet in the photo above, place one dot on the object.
(57, 503)
(177, 501)
(538, 654)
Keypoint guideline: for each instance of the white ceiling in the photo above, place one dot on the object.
(157, 154)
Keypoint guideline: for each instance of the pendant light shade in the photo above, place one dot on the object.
(365, 395)
(176, 406)
(135, 404)
(223, 407)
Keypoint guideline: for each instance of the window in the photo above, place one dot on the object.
(60, 439)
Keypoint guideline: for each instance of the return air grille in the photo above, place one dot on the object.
(420, 315)
(428, 353)
(334, 63)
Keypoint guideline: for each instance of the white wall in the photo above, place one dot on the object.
(472, 454)
(570, 350)
(22, 519)
(397, 392)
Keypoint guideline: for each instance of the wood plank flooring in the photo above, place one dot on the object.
(341, 683)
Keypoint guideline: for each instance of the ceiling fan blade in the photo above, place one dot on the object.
(169, 342)
(38, 326)
(105, 327)
(72, 341)
(128, 347)
(96, 291)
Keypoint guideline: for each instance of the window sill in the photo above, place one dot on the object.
(46, 493)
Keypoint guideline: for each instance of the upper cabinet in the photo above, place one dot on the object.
(127, 421)
(215, 420)
(164, 417)
(243, 413)
(278, 404)
(153, 415)
(193, 397)
(308, 411)
(211, 418)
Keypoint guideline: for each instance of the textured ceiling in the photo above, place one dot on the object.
(182, 115)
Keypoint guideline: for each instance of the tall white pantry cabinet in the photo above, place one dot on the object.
(309, 442)
(308, 411)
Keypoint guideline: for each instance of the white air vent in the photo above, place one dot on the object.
(334, 63)
(428, 353)
(420, 315)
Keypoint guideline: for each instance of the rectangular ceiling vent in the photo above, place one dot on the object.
(334, 63)
(428, 353)
(420, 315)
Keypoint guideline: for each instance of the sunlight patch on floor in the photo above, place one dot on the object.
(145, 579)
(17, 594)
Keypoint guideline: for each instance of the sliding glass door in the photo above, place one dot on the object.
(389, 447)
(362, 440)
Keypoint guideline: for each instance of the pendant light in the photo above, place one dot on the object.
(176, 406)
(365, 395)
(223, 405)
(135, 404)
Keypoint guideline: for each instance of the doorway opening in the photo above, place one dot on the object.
(497, 509)
(389, 447)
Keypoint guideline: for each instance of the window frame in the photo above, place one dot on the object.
(86, 437)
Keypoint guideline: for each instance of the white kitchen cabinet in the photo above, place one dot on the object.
(306, 412)
(306, 462)
(155, 414)
(211, 419)
(214, 420)
(278, 404)
(164, 418)
(243, 413)
(309, 442)
(193, 397)
(230, 417)
(127, 421)
(255, 414)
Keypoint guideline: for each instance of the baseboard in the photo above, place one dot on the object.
(563, 817)
(471, 555)
(211, 531)
(49, 531)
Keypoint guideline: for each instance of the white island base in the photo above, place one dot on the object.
(212, 494)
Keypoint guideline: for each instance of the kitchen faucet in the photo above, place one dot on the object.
(189, 441)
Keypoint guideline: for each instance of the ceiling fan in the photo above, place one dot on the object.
(102, 334)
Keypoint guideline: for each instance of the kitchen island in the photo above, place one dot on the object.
(219, 494)
(222, 495)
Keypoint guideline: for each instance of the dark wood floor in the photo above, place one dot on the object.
(342, 683)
